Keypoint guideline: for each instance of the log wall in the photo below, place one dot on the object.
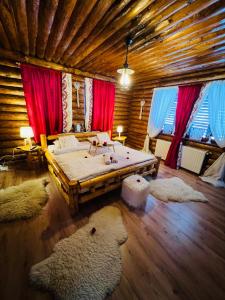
(144, 90)
(13, 112)
(121, 110)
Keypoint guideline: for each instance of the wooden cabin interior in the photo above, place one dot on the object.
(112, 149)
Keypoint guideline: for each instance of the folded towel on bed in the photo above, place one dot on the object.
(107, 158)
(114, 158)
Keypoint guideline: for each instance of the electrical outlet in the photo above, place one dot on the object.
(4, 168)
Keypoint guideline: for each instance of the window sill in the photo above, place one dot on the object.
(186, 141)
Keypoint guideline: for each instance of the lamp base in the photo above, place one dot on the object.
(28, 141)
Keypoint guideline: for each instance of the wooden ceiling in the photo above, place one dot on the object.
(170, 37)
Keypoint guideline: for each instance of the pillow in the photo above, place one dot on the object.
(103, 137)
(51, 148)
(56, 144)
(65, 150)
(68, 141)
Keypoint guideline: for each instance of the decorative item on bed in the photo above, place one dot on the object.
(81, 176)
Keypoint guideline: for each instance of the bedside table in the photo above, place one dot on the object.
(120, 139)
(35, 153)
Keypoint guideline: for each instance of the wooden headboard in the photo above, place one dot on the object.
(82, 136)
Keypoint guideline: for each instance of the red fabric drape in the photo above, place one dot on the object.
(43, 94)
(103, 105)
(187, 95)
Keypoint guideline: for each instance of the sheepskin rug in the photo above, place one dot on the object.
(23, 201)
(87, 265)
(174, 189)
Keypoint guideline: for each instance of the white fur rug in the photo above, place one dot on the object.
(174, 189)
(23, 201)
(86, 265)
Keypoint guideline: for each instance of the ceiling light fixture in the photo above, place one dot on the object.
(126, 71)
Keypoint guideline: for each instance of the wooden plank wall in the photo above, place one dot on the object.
(121, 110)
(144, 90)
(78, 113)
(13, 113)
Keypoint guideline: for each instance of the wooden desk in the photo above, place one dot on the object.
(120, 139)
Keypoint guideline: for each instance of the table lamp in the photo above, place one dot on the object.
(119, 129)
(27, 134)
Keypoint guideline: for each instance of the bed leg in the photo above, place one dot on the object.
(73, 203)
(157, 166)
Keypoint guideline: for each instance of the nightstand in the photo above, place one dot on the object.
(34, 153)
(120, 139)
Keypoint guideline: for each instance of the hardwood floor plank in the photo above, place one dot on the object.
(174, 251)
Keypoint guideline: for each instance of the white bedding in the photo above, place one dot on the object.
(80, 165)
(79, 146)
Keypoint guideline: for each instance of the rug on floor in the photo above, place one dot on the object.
(23, 201)
(174, 189)
(86, 265)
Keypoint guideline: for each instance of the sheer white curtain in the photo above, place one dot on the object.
(216, 100)
(88, 98)
(161, 102)
(197, 105)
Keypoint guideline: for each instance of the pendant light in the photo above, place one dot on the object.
(126, 71)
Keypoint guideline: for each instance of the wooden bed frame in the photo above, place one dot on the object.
(75, 192)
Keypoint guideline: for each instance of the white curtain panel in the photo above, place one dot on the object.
(196, 107)
(67, 101)
(161, 103)
(88, 87)
(216, 98)
(146, 144)
(215, 174)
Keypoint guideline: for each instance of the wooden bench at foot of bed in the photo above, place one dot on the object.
(75, 192)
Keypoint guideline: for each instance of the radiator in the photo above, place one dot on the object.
(162, 148)
(191, 158)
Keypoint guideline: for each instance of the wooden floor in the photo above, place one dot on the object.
(174, 251)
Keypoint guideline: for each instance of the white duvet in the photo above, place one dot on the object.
(80, 165)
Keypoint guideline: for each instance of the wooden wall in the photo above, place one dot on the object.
(13, 113)
(144, 90)
(121, 110)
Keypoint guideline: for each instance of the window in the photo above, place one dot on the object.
(208, 123)
(199, 128)
(168, 127)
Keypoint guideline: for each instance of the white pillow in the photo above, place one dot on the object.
(65, 150)
(103, 137)
(68, 141)
(56, 144)
(51, 148)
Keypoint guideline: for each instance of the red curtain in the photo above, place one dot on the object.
(187, 95)
(43, 94)
(103, 105)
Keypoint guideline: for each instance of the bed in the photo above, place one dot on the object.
(81, 177)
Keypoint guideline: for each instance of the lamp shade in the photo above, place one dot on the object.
(119, 129)
(125, 76)
(26, 132)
